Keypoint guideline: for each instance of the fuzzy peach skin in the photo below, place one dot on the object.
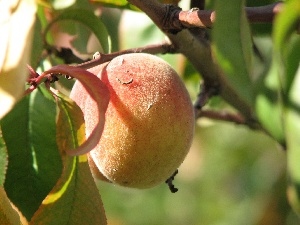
(149, 122)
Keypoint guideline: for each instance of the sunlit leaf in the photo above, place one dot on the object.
(58, 4)
(8, 215)
(29, 131)
(75, 198)
(87, 18)
(70, 123)
(232, 46)
(15, 49)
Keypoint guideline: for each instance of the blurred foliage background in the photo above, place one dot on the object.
(232, 175)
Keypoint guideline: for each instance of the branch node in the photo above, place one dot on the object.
(206, 92)
(171, 23)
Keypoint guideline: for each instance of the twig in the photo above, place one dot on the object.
(236, 118)
(151, 49)
(35, 79)
(222, 115)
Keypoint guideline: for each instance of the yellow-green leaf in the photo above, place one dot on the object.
(70, 123)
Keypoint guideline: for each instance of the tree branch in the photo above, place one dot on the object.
(206, 18)
(173, 19)
(197, 50)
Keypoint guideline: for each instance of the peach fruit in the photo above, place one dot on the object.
(149, 123)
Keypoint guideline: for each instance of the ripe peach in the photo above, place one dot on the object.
(149, 122)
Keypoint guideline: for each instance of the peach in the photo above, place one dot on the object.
(149, 123)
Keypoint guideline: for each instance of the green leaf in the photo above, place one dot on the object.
(291, 61)
(269, 108)
(285, 62)
(87, 18)
(286, 46)
(292, 129)
(3, 160)
(286, 23)
(75, 198)
(122, 4)
(232, 46)
(8, 215)
(34, 161)
(287, 57)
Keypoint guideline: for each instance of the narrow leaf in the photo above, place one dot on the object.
(286, 23)
(286, 48)
(34, 161)
(292, 129)
(232, 46)
(269, 106)
(87, 18)
(98, 92)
